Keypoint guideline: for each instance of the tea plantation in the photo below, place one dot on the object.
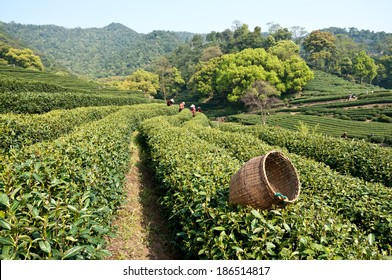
(62, 175)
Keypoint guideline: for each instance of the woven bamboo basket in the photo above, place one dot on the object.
(265, 181)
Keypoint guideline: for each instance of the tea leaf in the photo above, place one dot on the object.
(218, 228)
(371, 238)
(4, 200)
(72, 252)
(45, 246)
(6, 241)
(256, 214)
(5, 224)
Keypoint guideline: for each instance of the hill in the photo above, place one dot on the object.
(95, 52)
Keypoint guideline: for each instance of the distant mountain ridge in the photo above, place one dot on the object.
(113, 50)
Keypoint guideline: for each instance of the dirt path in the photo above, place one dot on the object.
(142, 233)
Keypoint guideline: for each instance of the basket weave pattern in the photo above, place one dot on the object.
(264, 181)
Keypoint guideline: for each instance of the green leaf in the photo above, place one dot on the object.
(371, 238)
(72, 208)
(5, 224)
(257, 230)
(37, 177)
(4, 200)
(45, 246)
(238, 249)
(286, 227)
(6, 241)
(218, 228)
(256, 214)
(71, 238)
(55, 182)
(270, 245)
(72, 252)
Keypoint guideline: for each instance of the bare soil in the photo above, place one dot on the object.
(143, 232)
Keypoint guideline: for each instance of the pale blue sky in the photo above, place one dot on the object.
(201, 16)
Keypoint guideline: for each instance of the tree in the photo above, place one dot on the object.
(144, 81)
(240, 38)
(385, 71)
(284, 49)
(174, 82)
(343, 55)
(235, 74)
(298, 33)
(170, 80)
(364, 67)
(273, 27)
(319, 46)
(297, 74)
(210, 52)
(202, 81)
(282, 34)
(24, 58)
(346, 67)
(260, 97)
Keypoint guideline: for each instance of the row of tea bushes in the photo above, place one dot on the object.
(42, 102)
(19, 130)
(365, 204)
(57, 198)
(358, 158)
(194, 173)
(8, 84)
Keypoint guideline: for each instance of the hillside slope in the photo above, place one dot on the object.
(96, 52)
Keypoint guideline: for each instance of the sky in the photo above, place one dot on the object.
(201, 16)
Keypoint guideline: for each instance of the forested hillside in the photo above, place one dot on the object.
(96, 52)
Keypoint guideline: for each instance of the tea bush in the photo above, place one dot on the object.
(18, 130)
(358, 158)
(193, 163)
(57, 198)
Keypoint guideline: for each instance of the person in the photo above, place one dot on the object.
(182, 105)
(199, 109)
(170, 102)
(193, 110)
(344, 135)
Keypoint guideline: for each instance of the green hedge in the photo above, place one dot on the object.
(194, 164)
(8, 84)
(358, 158)
(19, 130)
(42, 102)
(57, 199)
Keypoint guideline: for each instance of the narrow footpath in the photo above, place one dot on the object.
(142, 231)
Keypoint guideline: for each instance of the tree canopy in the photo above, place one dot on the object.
(232, 75)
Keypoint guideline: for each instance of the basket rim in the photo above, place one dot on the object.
(271, 190)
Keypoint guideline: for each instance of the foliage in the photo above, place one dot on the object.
(170, 80)
(42, 102)
(23, 58)
(114, 50)
(364, 67)
(58, 198)
(358, 158)
(284, 49)
(196, 193)
(140, 80)
(260, 97)
(202, 81)
(385, 71)
(19, 130)
(237, 72)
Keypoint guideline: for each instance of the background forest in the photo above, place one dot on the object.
(182, 60)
